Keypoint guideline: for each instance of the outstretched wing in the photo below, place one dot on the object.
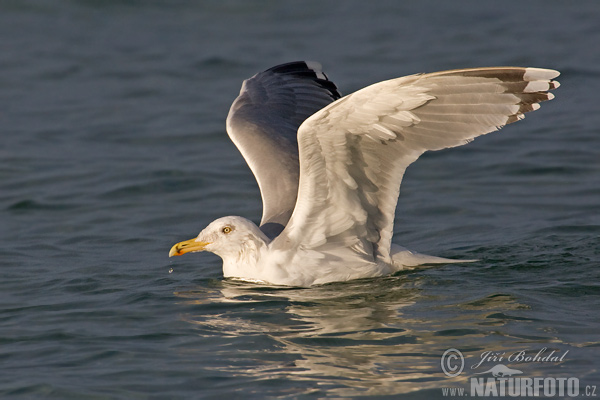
(354, 152)
(263, 123)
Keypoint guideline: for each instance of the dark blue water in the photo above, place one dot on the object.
(113, 148)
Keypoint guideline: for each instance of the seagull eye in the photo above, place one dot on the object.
(226, 230)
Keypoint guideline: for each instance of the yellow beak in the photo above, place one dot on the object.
(187, 247)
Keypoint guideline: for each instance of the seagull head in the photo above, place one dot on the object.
(231, 238)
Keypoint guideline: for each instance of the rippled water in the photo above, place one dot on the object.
(113, 148)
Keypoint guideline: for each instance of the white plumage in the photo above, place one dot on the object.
(351, 156)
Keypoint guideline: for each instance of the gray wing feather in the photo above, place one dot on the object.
(263, 123)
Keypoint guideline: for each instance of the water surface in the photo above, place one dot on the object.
(113, 148)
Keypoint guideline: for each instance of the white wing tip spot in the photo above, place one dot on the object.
(317, 69)
(537, 86)
(533, 74)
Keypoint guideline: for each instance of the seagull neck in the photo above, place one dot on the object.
(246, 261)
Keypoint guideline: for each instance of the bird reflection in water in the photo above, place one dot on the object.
(368, 337)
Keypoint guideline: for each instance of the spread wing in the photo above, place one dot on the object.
(263, 123)
(354, 152)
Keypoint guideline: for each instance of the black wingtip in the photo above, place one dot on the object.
(296, 66)
(307, 69)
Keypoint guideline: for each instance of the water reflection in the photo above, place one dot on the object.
(369, 337)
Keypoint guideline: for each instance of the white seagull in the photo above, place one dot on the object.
(329, 167)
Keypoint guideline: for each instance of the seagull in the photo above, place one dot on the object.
(329, 167)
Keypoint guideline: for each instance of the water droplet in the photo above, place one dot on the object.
(170, 270)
